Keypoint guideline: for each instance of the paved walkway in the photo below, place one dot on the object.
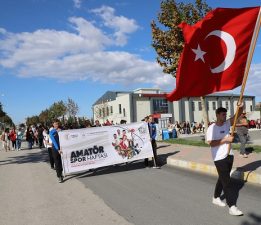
(199, 159)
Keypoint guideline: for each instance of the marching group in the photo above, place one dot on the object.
(218, 136)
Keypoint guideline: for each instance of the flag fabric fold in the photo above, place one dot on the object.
(215, 52)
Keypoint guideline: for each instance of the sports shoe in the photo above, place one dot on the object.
(60, 179)
(217, 201)
(156, 167)
(245, 156)
(234, 211)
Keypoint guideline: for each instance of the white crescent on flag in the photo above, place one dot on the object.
(231, 50)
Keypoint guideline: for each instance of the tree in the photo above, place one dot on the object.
(100, 110)
(72, 108)
(33, 120)
(168, 42)
(44, 117)
(2, 113)
(5, 120)
(56, 110)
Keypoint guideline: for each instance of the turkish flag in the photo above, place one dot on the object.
(215, 52)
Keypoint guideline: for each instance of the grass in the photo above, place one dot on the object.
(180, 141)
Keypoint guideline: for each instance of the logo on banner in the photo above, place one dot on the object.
(88, 154)
(124, 143)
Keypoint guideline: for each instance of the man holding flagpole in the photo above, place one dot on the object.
(219, 139)
(216, 57)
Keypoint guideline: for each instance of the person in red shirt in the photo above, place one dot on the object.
(12, 137)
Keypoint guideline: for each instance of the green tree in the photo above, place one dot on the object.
(57, 110)
(2, 113)
(33, 120)
(5, 119)
(168, 42)
(72, 108)
(44, 117)
(167, 38)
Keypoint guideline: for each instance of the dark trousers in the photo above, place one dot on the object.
(224, 167)
(154, 148)
(50, 153)
(40, 142)
(58, 163)
(14, 144)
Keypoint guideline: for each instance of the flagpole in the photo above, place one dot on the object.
(249, 59)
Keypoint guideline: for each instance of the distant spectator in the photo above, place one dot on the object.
(258, 125)
(242, 132)
(30, 137)
(6, 140)
(12, 137)
(19, 138)
(252, 124)
(97, 123)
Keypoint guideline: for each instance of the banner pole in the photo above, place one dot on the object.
(249, 59)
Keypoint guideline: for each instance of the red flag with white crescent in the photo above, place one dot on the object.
(215, 52)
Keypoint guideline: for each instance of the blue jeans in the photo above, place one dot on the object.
(18, 144)
(30, 144)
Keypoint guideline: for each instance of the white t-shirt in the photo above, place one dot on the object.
(215, 132)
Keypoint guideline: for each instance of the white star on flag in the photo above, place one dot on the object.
(199, 53)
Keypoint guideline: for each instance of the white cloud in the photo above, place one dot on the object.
(106, 67)
(82, 54)
(77, 3)
(120, 24)
(253, 85)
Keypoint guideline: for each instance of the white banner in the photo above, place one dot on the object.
(89, 148)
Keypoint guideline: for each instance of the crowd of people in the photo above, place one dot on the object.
(12, 139)
(186, 127)
(199, 127)
(48, 138)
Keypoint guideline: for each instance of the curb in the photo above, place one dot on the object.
(249, 176)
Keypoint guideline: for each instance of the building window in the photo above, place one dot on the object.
(100, 112)
(214, 105)
(160, 106)
(193, 106)
(119, 108)
(251, 108)
(107, 111)
(111, 110)
(199, 106)
(103, 112)
(207, 106)
(227, 105)
(124, 112)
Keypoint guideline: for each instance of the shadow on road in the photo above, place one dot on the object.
(123, 167)
(249, 168)
(252, 219)
(163, 157)
(30, 157)
(162, 146)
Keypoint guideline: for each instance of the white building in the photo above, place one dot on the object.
(134, 106)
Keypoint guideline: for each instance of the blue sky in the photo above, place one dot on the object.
(54, 49)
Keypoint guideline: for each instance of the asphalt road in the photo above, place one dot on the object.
(129, 194)
(169, 196)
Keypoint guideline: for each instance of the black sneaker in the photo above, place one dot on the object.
(60, 179)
